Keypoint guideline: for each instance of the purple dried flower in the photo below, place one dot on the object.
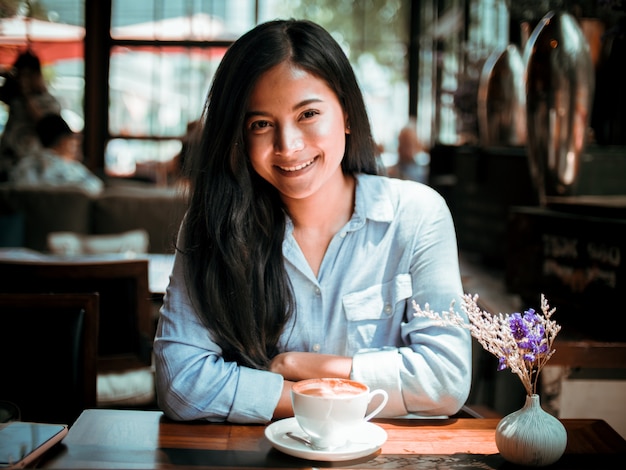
(531, 341)
(529, 356)
(518, 327)
(529, 333)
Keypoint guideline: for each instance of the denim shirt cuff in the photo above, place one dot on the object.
(258, 392)
(378, 369)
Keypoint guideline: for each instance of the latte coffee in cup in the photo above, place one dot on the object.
(331, 387)
(328, 410)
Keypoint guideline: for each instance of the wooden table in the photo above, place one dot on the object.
(146, 439)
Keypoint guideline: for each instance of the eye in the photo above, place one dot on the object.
(258, 125)
(311, 113)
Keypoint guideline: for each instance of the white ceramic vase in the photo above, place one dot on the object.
(531, 436)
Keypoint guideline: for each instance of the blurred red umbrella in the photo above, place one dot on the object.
(49, 41)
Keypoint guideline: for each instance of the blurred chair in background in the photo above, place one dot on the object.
(48, 350)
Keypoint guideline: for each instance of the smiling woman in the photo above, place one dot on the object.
(296, 260)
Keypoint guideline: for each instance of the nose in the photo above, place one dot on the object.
(289, 140)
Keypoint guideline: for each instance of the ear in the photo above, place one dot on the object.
(347, 125)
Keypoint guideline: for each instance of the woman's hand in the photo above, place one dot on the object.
(296, 366)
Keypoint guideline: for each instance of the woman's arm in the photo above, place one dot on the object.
(193, 379)
(296, 366)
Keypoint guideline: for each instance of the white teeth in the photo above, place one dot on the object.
(297, 167)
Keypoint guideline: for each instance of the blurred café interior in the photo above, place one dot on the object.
(521, 105)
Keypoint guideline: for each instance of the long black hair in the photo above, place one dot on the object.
(235, 224)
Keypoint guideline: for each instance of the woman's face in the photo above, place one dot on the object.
(295, 131)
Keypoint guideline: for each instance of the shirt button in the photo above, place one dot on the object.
(318, 291)
(388, 309)
(316, 348)
(343, 234)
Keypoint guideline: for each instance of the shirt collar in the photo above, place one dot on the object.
(373, 198)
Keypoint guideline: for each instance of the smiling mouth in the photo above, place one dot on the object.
(297, 167)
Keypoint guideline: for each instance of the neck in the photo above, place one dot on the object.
(327, 210)
(319, 217)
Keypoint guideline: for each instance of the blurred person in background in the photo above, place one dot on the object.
(413, 159)
(59, 163)
(26, 94)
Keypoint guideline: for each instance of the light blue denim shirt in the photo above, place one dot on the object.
(399, 246)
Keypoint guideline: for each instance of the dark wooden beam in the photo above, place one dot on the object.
(96, 107)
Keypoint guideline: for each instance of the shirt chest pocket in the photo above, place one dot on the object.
(377, 302)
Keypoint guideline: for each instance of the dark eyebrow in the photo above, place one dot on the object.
(307, 102)
(302, 103)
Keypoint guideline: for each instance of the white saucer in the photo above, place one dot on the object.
(367, 440)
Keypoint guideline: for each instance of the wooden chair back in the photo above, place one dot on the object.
(48, 351)
(126, 328)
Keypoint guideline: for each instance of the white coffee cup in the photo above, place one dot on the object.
(328, 410)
